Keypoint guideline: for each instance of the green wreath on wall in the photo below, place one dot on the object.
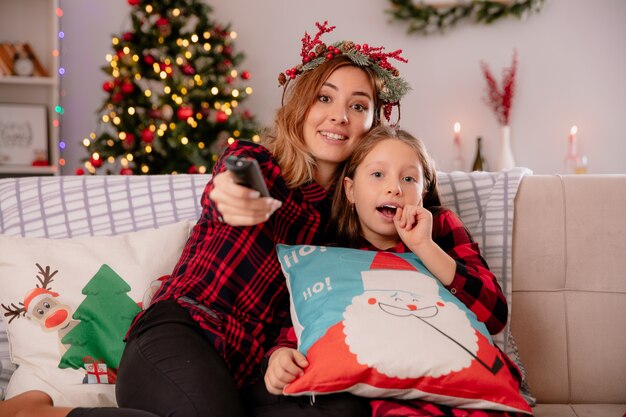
(438, 17)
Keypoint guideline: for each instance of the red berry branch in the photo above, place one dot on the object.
(501, 100)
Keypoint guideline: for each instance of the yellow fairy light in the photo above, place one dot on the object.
(234, 103)
(95, 156)
(92, 135)
(115, 73)
(214, 91)
(188, 54)
(163, 126)
(115, 40)
(248, 90)
(148, 149)
(236, 133)
(163, 75)
(161, 40)
(111, 159)
(206, 35)
(176, 12)
(130, 156)
(231, 140)
(207, 47)
(167, 89)
(235, 93)
(122, 135)
(126, 50)
(194, 38)
(214, 158)
(179, 42)
(168, 61)
(160, 132)
(108, 57)
(183, 91)
(172, 125)
(233, 73)
(201, 145)
(149, 8)
(228, 111)
(178, 100)
(233, 35)
(136, 58)
(117, 120)
(138, 76)
(199, 116)
(256, 138)
(156, 67)
(147, 93)
(202, 169)
(179, 60)
(86, 142)
(184, 140)
(145, 169)
(185, 42)
(197, 78)
(110, 143)
(105, 118)
(131, 111)
(124, 162)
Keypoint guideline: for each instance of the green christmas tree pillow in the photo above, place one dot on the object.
(67, 305)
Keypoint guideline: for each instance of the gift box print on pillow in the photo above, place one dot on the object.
(378, 324)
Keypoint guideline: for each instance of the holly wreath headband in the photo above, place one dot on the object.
(315, 52)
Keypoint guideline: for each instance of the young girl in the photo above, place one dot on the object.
(198, 349)
(388, 200)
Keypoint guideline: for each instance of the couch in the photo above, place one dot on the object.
(556, 242)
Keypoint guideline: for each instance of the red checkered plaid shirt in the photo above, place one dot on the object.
(229, 278)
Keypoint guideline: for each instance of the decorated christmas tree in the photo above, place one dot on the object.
(101, 330)
(173, 99)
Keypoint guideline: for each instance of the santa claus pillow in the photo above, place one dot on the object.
(378, 324)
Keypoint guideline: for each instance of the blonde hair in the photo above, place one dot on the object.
(344, 219)
(286, 139)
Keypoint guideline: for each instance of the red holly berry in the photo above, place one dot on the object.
(162, 21)
(147, 135)
(128, 36)
(192, 170)
(117, 97)
(148, 59)
(184, 112)
(126, 171)
(79, 171)
(246, 75)
(134, 2)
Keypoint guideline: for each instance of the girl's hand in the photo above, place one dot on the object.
(240, 206)
(414, 225)
(284, 366)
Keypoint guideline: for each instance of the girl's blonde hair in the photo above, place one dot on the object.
(344, 219)
(286, 139)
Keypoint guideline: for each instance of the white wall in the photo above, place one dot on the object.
(572, 71)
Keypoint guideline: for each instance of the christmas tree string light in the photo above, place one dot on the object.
(173, 96)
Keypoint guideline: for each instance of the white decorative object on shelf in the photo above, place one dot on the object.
(506, 160)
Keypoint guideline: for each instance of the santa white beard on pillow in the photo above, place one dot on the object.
(400, 325)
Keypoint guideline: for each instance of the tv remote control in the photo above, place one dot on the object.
(247, 172)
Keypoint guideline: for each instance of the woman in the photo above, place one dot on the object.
(199, 348)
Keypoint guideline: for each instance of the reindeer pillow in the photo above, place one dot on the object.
(378, 324)
(67, 305)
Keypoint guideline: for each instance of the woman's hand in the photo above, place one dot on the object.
(414, 225)
(284, 366)
(238, 205)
